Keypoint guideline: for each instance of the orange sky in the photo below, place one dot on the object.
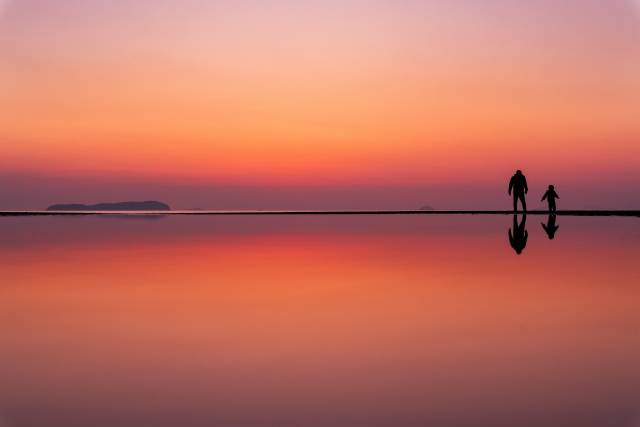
(321, 93)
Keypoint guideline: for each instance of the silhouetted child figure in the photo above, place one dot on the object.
(551, 197)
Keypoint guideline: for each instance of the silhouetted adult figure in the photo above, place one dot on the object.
(518, 186)
(519, 236)
(550, 227)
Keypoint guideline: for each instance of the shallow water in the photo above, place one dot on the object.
(318, 321)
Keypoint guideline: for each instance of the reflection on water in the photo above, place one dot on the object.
(318, 321)
(551, 227)
(518, 234)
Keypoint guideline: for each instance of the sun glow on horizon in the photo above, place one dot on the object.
(340, 92)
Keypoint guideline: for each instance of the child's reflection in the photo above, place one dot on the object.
(550, 227)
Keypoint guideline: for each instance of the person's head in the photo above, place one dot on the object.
(551, 187)
(518, 172)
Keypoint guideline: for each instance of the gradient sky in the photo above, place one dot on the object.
(318, 104)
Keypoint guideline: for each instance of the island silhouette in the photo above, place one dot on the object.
(117, 206)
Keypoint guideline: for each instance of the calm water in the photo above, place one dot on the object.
(318, 321)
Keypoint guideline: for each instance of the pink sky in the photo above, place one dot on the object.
(335, 104)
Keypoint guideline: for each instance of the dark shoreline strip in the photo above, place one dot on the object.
(594, 213)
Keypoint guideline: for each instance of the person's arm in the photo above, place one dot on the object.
(526, 187)
(545, 196)
(510, 186)
(557, 197)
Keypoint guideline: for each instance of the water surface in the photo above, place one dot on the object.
(318, 321)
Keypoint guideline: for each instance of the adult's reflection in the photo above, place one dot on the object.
(518, 234)
(550, 227)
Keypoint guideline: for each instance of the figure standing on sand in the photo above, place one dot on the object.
(551, 197)
(518, 186)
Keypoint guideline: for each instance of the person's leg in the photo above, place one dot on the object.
(524, 202)
(515, 203)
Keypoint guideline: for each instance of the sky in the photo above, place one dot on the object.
(260, 104)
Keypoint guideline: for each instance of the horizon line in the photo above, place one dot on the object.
(576, 212)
